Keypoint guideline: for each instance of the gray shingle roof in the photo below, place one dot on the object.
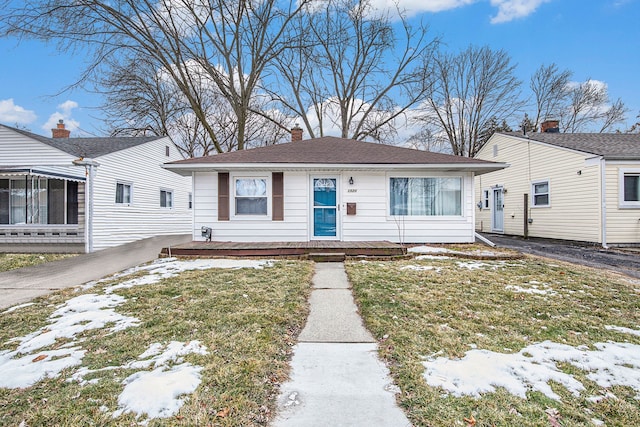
(331, 150)
(88, 147)
(612, 146)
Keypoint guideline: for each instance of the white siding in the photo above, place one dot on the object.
(20, 150)
(371, 222)
(574, 211)
(142, 167)
(623, 224)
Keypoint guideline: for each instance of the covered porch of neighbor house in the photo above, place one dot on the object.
(42, 209)
(317, 250)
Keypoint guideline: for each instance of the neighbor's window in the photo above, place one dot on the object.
(123, 193)
(166, 198)
(630, 192)
(251, 196)
(190, 201)
(34, 200)
(426, 196)
(540, 193)
(485, 199)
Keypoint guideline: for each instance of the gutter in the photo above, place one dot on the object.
(90, 167)
(603, 202)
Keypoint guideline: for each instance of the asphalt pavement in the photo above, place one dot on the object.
(620, 260)
(23, 284)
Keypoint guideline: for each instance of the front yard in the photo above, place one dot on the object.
(526, 342)
(9, 261)
(468, 341)
(135, 347)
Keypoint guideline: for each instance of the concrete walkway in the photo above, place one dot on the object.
(337, 378)
(24, 284)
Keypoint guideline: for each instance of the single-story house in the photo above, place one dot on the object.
(333, 189)
(583, 186)
(64, 194)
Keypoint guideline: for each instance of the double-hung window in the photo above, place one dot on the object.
(629, 188)
(417, 196)
(123, 193)
(540, 194)
(166, 198)
(250, 196)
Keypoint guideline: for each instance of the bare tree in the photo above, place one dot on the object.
(550, 88)
(467, 90)
(352, 70)
(233, 42)
(589, 108)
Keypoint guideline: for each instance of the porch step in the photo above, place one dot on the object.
(327, 256)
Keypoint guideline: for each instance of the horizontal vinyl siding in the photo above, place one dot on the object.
(142, 167)
(574, 213)
(293, 228)
(623, 224)
(20, 150)
(372, 222)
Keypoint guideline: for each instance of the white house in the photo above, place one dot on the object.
(583, 187)
(84, 194)
(333, 189)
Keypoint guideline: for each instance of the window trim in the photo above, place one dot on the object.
(167, 191)
(623, 204)
(486, 199)
(408, 218)
(546, 181)
(232, 197)
(128, 184)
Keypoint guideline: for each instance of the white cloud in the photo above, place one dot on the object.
(414, 7)
(11, 113)
(508, 10)
(64, 113)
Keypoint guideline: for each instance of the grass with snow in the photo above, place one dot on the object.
(220, 337)
(10, 261)
(486, 334)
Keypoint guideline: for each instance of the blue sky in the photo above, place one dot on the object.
(596, 39)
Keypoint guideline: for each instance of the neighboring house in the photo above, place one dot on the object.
(84, 194)
(333, 189)
(583, 187)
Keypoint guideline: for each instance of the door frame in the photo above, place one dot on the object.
(311, 221)
(494, 190)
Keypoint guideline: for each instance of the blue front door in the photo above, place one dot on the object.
(325, 207)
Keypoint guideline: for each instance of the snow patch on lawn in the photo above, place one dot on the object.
(431, 257)
(16, 307)
(171, 267)
(421, 268)
(531, 369)
(534, 289)
(427, 250)
(623, 330)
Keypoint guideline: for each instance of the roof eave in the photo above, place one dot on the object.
(186, 169)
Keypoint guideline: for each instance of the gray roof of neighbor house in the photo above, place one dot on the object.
(611, 146)
(332, 151)
(88, 147)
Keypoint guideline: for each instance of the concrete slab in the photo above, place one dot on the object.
(22, 285)
(334, 318)
(330, 275)
(338, 385)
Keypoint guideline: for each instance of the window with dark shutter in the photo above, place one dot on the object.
(277, 188)
(223, 196)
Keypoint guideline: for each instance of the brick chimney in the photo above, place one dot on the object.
(550, 126)
(296, 133)
(60, 131)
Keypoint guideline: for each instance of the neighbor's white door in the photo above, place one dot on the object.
(497, 218)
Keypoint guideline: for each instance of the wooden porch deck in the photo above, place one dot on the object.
(286, 249)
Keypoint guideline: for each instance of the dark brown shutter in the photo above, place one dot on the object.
(223, 196)
(277, 190)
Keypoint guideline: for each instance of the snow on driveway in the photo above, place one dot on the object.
(156, 393)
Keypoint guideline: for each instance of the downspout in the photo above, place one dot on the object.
(603, 195)
(90, 167)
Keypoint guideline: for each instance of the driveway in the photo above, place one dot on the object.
(22, 285)
(621, 261)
